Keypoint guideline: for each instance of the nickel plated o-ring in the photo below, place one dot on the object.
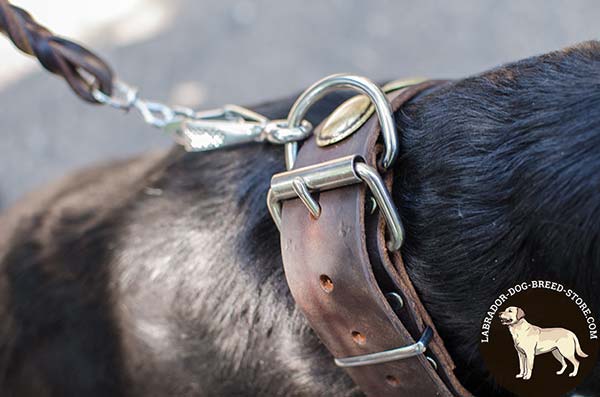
(330, 83)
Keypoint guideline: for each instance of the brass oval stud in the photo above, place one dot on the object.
(354, 113)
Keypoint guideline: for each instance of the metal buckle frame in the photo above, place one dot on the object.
(299, 183)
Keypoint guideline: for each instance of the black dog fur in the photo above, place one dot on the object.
(162, 275)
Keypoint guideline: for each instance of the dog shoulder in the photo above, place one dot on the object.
(84, 194)
(54, 298)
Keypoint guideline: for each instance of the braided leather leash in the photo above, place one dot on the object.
(82, 69)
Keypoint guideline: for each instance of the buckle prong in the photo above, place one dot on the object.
(301, 190)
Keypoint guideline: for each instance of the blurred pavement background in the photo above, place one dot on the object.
(204, 53)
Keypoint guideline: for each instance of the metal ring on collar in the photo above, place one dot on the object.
(361, 84)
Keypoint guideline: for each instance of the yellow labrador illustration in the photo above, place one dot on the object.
(531, 340)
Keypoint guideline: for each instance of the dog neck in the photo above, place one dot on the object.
(478, 191)
(520, 325)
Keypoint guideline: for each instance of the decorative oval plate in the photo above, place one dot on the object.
(352, 114)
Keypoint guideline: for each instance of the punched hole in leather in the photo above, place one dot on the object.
(339, 269)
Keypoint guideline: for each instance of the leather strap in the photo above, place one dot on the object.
(339, 269)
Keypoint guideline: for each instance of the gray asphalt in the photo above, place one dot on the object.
(250, 51)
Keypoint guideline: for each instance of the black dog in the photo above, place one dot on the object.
(161, 276)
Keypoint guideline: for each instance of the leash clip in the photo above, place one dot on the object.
(231, 125)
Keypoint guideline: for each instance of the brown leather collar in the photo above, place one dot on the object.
(355, 293)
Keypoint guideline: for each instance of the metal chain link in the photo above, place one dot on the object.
(126, 97)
